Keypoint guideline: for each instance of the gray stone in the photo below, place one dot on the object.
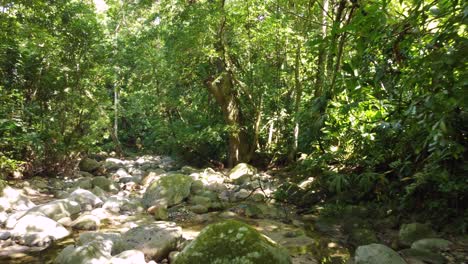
(432, 244)
(422, 255)
(58, 209)
(37, 230)
(13, 199)
(242, 173)
(129, 257)
(86, 222)
(86, 199)
(377, 254)
(95, 252)
(155, 240)
(410, 233)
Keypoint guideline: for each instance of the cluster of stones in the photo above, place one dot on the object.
(104, 191)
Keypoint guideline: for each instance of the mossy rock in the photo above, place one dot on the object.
(410, 233)
(89, 165)
(362, 236)
(232, 242)
(173, 189)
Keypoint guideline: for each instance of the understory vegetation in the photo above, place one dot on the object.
(367, 97)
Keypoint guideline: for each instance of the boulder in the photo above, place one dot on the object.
(84, 183)
(13, 199)
(89, 165)
(86, 222)
(232, 241)
(95, 252)
(104, 183)
(196, 187)
(362, 236)
(198, 209)
(155, 240)
(152, 176)
(423, 255)
(432, 244)
(115, 238)
(410, 233)
(114, 164)
(58, 209)
(86, 199)
(116, 204)
(129, 257)
(173, 189)
(377, 254)
(242, 173)
(35, 229)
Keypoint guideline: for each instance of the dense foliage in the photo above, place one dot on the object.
(369, 97)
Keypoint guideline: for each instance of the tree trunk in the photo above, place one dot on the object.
(297, 102)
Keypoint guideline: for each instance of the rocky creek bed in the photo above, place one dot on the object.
(148, 210)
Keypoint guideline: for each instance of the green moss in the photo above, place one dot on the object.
(172, 188)
(232, 242)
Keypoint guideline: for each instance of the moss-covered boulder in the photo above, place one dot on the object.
(410, 233)
(89, 165)
(172, 189)
(232, 242)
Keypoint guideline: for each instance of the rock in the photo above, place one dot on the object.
(258, 197)
(129, 257)
(86, 222)
(104, 183)
(422, 255)
(84, 183)
(113, 164)
(13, 199)
(196, 187)
(159, 211)
(198, 209)
(253, 211)
(188, 170)
(155, 240)
(86, 199)
(115, 204)
(66, 221)
(86, 174)
(232, 241)
(99, 193)
(58, 209)
(172, 188)
(241, 195)
(89, 165)
(152, 176)
(12, 219)
(362, 236)
(432, 244)
(4, 235)
(3, 218)
(37, 230)
(200, 200)
(377, 254)
(242, 173)
(121, 175)
(95, 252)
(410, 233)
(115, 238)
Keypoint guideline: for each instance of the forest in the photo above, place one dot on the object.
(323, 131)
